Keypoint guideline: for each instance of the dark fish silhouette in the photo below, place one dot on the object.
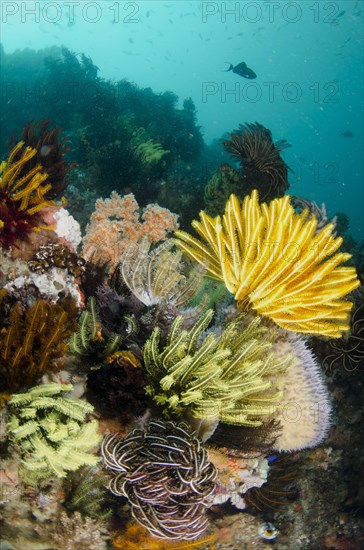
(242, 70)
(347, 134)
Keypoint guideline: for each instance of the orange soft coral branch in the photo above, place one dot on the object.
(118, 221)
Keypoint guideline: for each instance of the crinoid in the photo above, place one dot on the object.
(280, 489)
(274, 262)
(166, 475)
(301, 204)
(156, 276)
(348, 352)
(51, 150)
(51, 431)
(259, 157)
(214, 378)
(23, 190)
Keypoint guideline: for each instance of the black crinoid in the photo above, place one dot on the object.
(348, 352)
(165, 474)
(261, 163)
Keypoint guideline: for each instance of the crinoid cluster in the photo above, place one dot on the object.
(51, 432)
(223, 378)
(165, 474)
(259, 156)
(273, 261)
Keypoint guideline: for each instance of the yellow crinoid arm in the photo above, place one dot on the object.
(276, 261)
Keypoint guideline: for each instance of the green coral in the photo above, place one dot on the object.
(51, 432)
(226, 378)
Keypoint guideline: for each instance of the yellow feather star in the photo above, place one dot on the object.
(28, 191)
(275, 262)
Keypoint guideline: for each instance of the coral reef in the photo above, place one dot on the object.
(271, 260)
(166, 476)
(116, 223)
(51, 432)
(239, 395)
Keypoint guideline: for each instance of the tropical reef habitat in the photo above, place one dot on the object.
(166, 384)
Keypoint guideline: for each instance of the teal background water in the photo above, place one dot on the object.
(308, 57)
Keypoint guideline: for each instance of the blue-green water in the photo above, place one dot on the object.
(308, 57)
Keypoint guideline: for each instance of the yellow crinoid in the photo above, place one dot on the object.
(275, 262)
(23, 189)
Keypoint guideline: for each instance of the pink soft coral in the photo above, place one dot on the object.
(118, 221)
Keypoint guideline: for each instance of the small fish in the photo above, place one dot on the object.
(147, 14)
(341, 14)
(347, 134)
(241, 70)
(131, 41)
(272, 458)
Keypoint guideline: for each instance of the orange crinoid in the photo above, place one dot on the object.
(275, 262)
